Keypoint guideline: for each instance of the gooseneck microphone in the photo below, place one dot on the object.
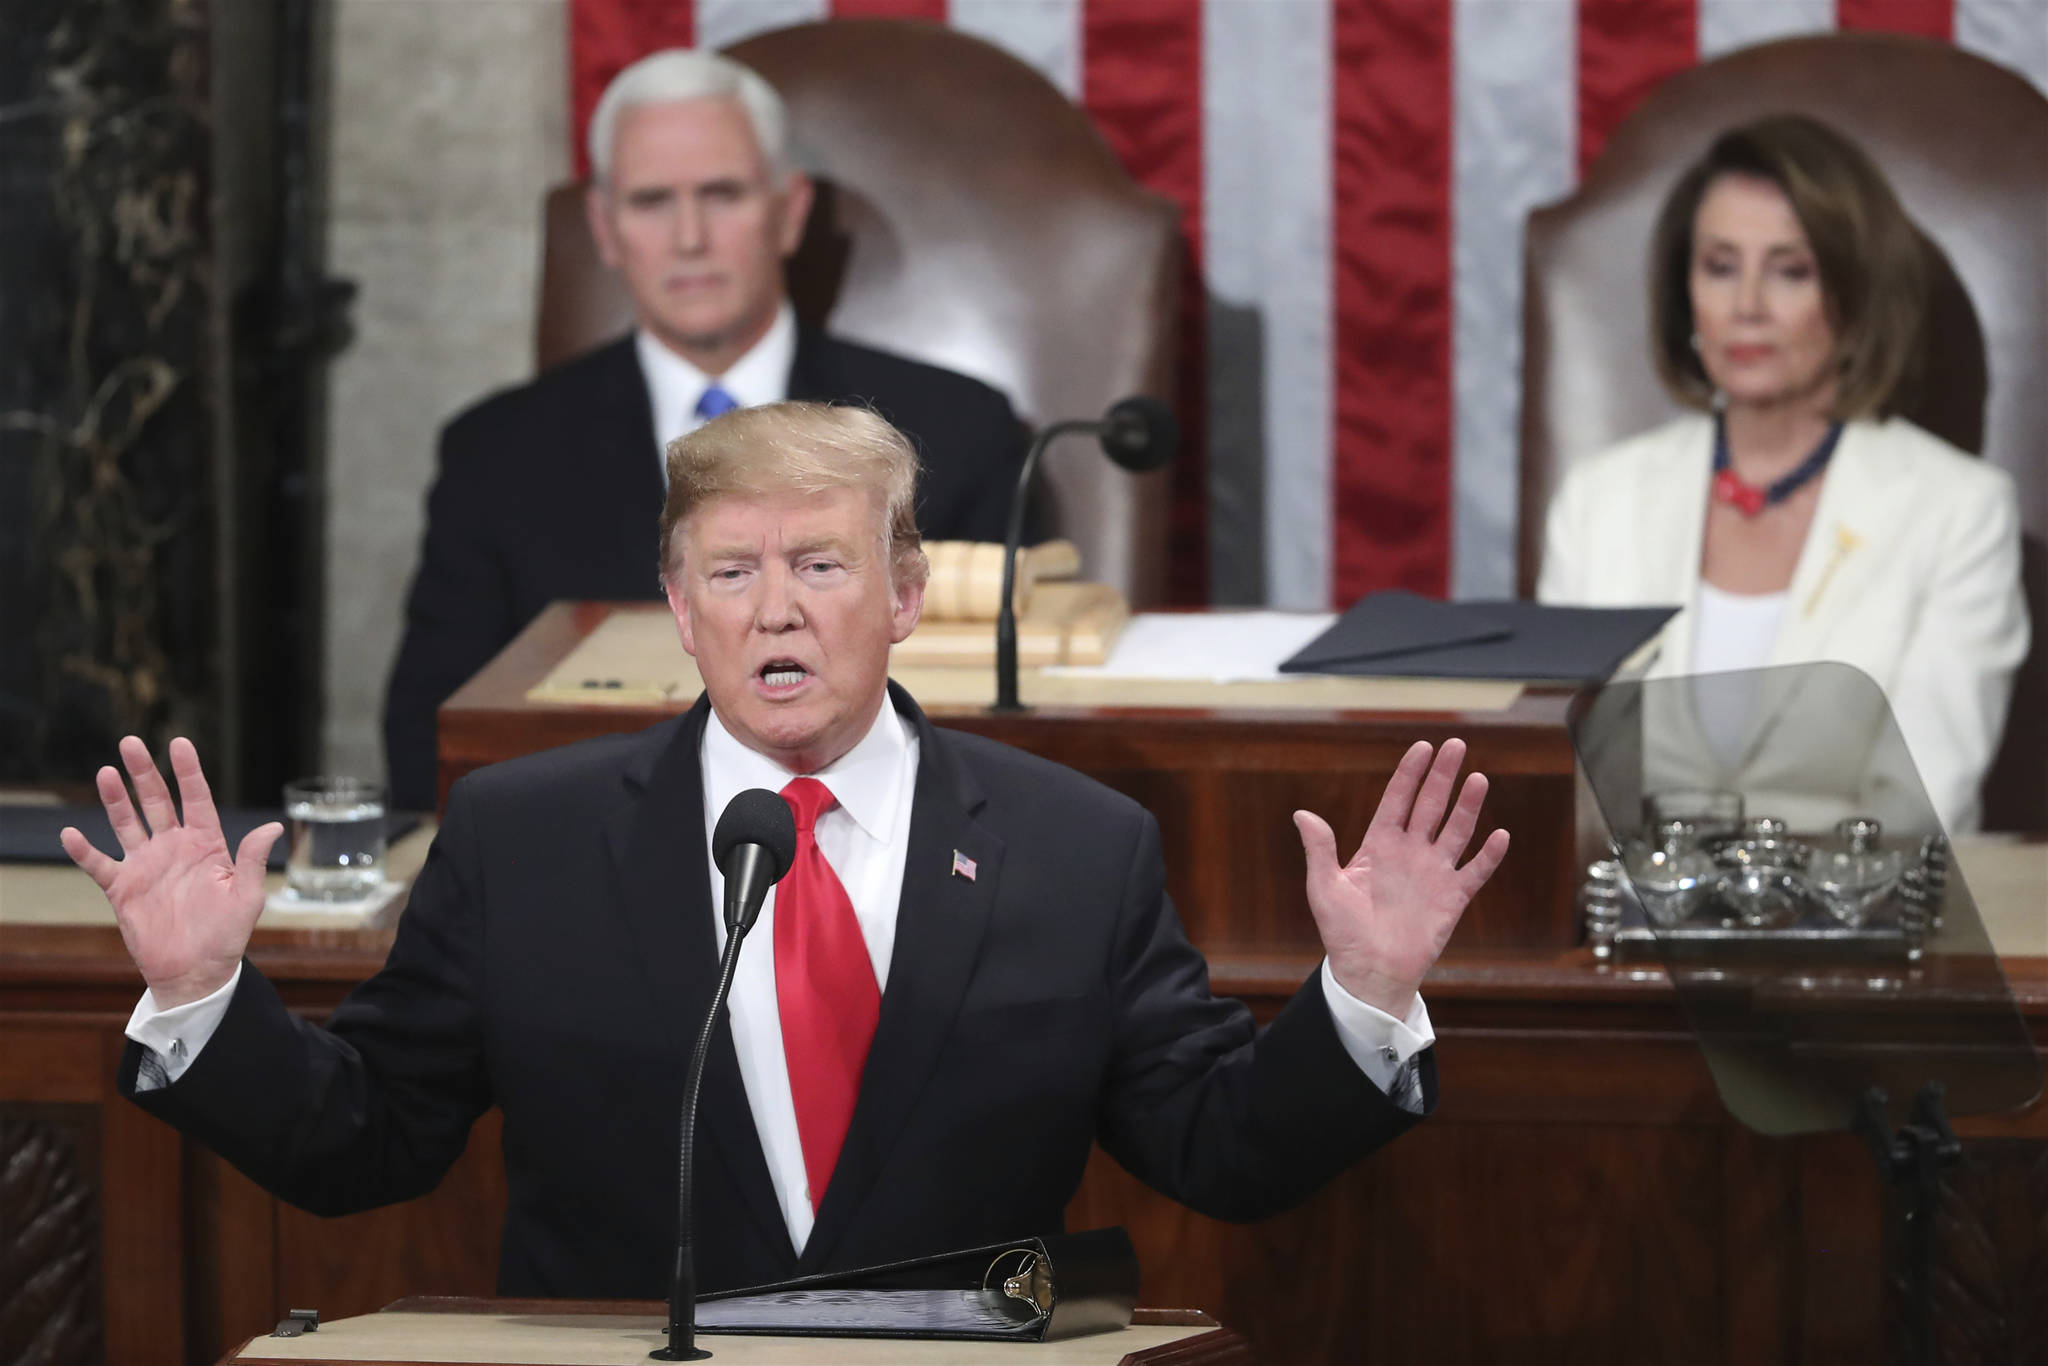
(753, 845)
(1137, 433)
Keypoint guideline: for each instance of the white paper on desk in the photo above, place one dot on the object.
(1220, 647)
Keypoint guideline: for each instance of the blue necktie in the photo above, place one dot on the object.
(715, 403)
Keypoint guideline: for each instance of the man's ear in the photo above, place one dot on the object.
(909, 607)
(679, 608)
(797, 194)
(597, 209)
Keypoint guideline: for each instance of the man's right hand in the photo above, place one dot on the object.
(185, 908)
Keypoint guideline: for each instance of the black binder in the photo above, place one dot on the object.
(1024, 1290)
(1396, 634)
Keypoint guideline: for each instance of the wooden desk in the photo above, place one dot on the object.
(1222, 783)
(1580, 1193)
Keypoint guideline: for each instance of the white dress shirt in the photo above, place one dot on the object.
(674, 386)
(866, 838)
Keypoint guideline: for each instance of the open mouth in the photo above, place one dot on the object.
(780, 675)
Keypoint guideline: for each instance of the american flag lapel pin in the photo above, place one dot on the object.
(963, 866)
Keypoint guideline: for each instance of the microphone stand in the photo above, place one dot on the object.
(682, 1297)
(745, 890)
(1006, 611)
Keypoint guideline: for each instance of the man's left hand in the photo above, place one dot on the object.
(1386, 915)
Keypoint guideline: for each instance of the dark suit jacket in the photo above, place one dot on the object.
(553, 490)
(557, 958)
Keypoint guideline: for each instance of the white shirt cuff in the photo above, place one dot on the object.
(176, 1035)
(1383, 1047)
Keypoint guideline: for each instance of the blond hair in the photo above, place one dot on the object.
(785, 448)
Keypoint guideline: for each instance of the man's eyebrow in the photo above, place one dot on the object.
(736, 550)
(833, 544)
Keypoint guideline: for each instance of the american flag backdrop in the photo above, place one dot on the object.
(1353, 176)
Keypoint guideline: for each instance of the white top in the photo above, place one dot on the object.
(674, 385)
(1731, 632)
(866, 839)
(1734, 630)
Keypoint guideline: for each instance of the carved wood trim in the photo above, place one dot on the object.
(51, 1308)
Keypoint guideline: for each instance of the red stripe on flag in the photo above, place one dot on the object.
(1391, 129)
(605, 37)
(1922, 18)
(934, 10)
(1625, 48)
(1141, 82)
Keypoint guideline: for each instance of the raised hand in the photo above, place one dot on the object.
(185, 908)
(1386, 915)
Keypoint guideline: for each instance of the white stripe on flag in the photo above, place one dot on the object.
(2013, 33)
(1044, 33)
(1725, 25)
(1514, 144)
(1266, 193)
(721, 23)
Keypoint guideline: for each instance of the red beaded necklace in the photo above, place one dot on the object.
(1750, 499)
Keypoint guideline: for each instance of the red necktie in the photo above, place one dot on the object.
(824, 990)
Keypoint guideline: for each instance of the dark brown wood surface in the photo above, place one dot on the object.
(1580, 1190)
(1581, 1194)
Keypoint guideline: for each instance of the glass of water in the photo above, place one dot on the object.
(337, 833)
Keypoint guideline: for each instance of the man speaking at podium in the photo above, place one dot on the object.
(971, 971)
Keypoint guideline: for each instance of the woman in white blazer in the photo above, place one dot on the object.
(1795, 516)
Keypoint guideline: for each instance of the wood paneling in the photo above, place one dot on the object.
(1581, 1194)
(142, 1213)
(50, 1259)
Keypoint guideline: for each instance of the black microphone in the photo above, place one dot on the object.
(1139, 434)
(753, 845)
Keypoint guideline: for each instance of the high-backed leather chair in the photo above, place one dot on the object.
(970, 216)
(1962, 141)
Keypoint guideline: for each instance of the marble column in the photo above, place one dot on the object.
(108, 421)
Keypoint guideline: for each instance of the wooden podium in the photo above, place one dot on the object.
(483, 1332)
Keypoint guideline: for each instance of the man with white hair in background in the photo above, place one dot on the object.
(551, 490)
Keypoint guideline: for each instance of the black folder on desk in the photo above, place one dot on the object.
(1025, 1290)
(1398, 634)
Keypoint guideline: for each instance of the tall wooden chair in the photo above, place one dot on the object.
(970, 216)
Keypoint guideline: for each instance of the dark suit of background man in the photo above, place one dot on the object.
(970, 973)
(551, 490)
